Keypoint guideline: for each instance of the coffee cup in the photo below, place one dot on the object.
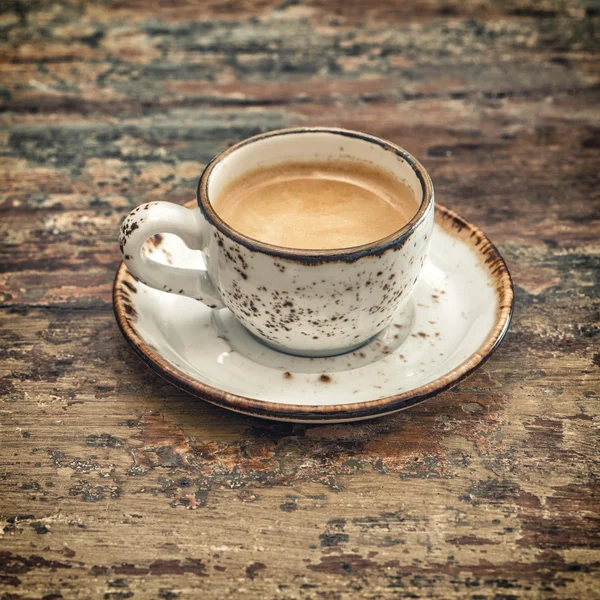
(308, 301)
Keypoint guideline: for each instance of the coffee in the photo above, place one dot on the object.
(316, 206)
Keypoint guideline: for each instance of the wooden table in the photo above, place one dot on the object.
(113, 484)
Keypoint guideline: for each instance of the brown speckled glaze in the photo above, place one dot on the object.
(498, 280)
(305, 302)
(320, 308)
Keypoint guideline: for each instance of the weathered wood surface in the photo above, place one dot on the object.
(114, 484)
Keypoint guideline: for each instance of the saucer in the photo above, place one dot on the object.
(455, 319)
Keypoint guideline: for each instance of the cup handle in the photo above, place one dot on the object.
(164, 217)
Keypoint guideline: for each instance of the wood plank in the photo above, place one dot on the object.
(115, 484)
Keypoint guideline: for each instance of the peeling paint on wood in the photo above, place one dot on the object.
(114, 484)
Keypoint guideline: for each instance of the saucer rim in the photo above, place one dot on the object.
(452, 223)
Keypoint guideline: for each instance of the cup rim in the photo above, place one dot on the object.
(352, 253)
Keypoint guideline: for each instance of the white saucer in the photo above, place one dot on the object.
(458, 314)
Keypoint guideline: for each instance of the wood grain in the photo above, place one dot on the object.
(114, 484)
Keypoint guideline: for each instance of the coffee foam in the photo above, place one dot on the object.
(316, 206)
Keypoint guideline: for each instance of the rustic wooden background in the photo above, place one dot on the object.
(113, 484)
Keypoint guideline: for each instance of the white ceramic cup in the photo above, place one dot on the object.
(305, 302)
